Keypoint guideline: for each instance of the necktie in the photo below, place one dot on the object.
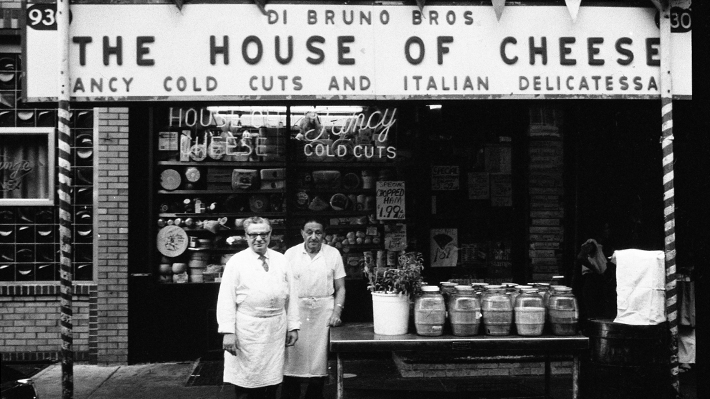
(264, 264)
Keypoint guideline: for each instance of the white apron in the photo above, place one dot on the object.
(261, 333)
(309, 357)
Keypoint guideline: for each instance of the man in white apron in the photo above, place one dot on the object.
(319, 275)
(257, 313)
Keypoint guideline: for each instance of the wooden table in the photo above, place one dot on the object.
(360, 337)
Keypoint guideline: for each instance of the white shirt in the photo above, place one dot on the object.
(309, 273)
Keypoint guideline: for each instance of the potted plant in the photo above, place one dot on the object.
(392, 289)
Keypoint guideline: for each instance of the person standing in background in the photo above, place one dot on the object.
(257, 314)
(594, 280)
(319, 275)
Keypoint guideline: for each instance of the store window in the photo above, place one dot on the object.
(29, 210)
(448, 171)
(219, 165)
(27, 166)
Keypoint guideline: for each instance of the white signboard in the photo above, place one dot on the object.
(155, 52)
(390, 200)
(444, 247)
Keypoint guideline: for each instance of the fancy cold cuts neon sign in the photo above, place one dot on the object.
(363, 135)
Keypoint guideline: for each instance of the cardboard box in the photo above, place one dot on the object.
(273, 174)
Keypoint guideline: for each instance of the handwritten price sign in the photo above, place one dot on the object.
(390, 200)
(444, 178)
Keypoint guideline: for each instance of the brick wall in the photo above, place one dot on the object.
(29, 314)
(112, 242)
(29, 322)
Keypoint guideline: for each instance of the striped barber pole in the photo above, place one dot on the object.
(65, 203)
(669, 192)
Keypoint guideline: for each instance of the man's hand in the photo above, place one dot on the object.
(229, 343)
(291, 337)
(334, 320)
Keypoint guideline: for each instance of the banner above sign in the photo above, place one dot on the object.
(212, 52)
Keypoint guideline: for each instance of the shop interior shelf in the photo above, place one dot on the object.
(338, 190)
(203, 192)
(360, 248)
(226, 231)
(334, 213)
(350, 226)
(221, 214)
(233, 249)
(344, 165)
(246, 164)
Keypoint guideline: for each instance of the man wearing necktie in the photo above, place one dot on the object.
(257, 314)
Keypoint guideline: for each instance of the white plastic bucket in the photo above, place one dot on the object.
(390, 313)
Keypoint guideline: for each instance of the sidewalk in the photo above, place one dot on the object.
(369, 380)
(153, 381)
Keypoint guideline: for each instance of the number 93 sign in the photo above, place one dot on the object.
(43, 16)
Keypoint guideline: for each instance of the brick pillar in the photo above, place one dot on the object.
(112, 239)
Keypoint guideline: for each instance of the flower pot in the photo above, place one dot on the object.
(390, 313)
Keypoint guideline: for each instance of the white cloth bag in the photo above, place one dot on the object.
(640, 287)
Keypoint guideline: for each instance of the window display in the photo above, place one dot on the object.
(219, 165)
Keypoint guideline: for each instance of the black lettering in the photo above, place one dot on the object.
(564, 50)
(259, 49)
(505, 42)
(407, 53)
(542, 50)
(82, 41)
(652, 44)
(441, 49)
(215, 49)
(329, 17)
(624, 84)
(117, 50)
(142, 51)
(289, 56)
(344, 49)
(624, 41)
(592, 50)
(315, 50)
(416, 17)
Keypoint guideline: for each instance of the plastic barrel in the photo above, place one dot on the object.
(627, 361)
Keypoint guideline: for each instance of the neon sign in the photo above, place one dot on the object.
(18, 170)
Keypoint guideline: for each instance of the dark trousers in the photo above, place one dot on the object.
(268, 392)
(291, 387)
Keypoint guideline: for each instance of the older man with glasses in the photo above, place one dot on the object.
(257, 314)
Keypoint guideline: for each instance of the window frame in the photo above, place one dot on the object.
(50, 134)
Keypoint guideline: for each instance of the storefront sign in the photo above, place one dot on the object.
(390, 200)
(155, 52)
(444, 178)
(27, 166)
(478, 186)
(396, 237)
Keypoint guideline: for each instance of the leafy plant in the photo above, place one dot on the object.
(404, 279)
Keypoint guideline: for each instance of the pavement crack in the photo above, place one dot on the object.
(102, 383)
